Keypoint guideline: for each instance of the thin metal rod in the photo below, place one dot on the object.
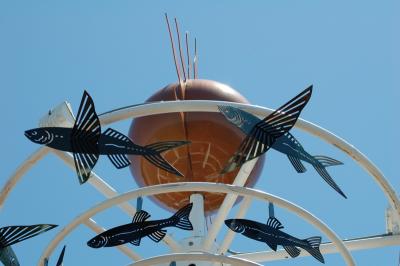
(124, 249)
(194, 256)
(195, 59)
(20, 171)
(317, 131)
(230, 235)
(188, 54)
(227, 204)
(326, 248)
(180, 49)
(196, 187)
(109, 192)
(173, 50)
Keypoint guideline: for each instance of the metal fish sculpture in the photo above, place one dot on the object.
(272, 235)
(139, 228)
(286, 144)
(262, 135)
(11, 235)
(86, 142)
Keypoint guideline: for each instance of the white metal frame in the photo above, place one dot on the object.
(211, 106)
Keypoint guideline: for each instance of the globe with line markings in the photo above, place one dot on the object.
(213, 140)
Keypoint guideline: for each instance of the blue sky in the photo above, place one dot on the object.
(50, 51)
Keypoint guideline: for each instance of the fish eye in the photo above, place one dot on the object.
(34, 133)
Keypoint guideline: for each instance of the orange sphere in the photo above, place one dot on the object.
(213, 141)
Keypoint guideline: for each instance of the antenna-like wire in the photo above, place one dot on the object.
(180, 49)
(173, 49)
(187, 53)
(195, 59)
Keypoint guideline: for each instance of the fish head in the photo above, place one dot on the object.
(40, 135)
(235, 225)
(232, 114)
(97, 241)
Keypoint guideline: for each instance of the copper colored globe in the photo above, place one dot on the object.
(213, 141)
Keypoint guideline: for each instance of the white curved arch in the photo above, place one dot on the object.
(200, 186)
(194, 257)
(211, 106)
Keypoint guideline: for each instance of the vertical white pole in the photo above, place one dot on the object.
(197, 217)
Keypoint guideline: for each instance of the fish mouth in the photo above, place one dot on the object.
(235, 226)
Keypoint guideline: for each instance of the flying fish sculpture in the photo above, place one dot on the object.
(260, 136)
(139, 228)
(286, 144)
(86, 141)
(271, 234)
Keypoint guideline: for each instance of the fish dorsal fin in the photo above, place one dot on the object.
(84, 138)
(87, 124)
(273, 246)
(274, 223)
(117, 135)
(157, 236)
(135, 242)
(140, 216)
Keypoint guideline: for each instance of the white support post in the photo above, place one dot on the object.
(197, 215)
(228, 202)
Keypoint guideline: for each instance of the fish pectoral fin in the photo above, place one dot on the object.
(292, 251)
(140, 216)
(297, 164)
(119, 160)
(273, 246)
(274, 223)
(157, 236)
(11, 235)
(135, 242)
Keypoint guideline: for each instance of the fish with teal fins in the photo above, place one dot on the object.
(286, 144)
(261, 136)
(271, 234)
(86, 142)
(139, 228)
(11, 235)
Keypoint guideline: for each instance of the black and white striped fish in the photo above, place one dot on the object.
(86, 142)
(139, 228)
(286, 144)
(261, 135)
(271, 234)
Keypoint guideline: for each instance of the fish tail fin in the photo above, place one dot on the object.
(182, 216)
(155, 158)
(326, 161)
(160, 147)
(328, 179)
(314, 243)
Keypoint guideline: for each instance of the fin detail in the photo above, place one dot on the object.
(274, 223)
(135, 242)
(183, 218)
(61, 258)
(297, 164)
(11, 235)
(328, 179)
(157, 236)
(292, 251)
(327, 161)
(119, 160)
(314, 243)
(140, 216)
(273, 246)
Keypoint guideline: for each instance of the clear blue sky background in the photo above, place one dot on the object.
(50, 51)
